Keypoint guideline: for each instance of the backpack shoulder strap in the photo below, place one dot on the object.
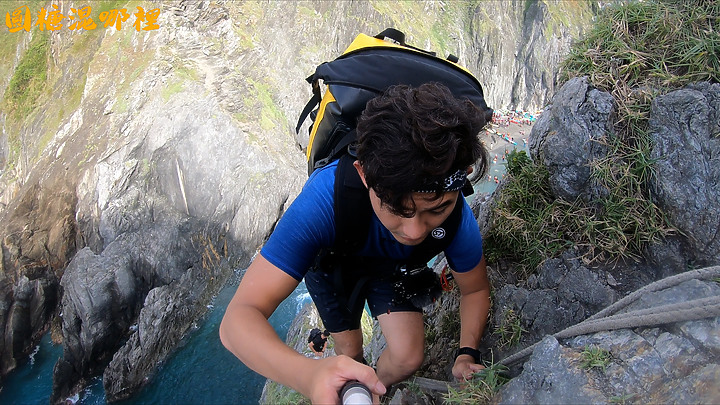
(352, 207)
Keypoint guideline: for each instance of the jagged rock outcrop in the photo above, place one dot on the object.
(567, 138)
(168, 313)
(684, 134)
(673, 363)
(685, 129)
(164, 152)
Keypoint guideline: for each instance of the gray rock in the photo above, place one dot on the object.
(550, 378)
(674, 363)
(563, 293)
(104, 294)
(684, 127)
(569, 135)
(668, 256)
(168, 313)
(515, 56)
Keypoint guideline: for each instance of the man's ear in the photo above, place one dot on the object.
(360, 171)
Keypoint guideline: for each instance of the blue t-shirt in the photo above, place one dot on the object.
(309, 226)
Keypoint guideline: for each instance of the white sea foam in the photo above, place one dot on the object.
(73, 399)
(301, 299)
(32, 355)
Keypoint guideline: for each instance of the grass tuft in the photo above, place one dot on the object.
(595, 357)
(654, 44)
(510, 330)
(528, 220)
(481, 388)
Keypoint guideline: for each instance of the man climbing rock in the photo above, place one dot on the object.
(415, 148)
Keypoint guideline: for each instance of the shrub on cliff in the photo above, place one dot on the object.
(635, 51)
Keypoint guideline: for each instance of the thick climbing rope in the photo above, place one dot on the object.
(699, 274)
(700, 308)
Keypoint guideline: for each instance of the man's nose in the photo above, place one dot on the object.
(414, 228)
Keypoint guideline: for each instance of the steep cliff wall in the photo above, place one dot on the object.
(160, 158)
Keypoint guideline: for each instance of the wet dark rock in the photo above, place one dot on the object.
(170, 311)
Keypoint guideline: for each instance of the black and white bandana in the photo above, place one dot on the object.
(453, 182)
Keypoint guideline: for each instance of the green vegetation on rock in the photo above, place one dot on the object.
(47, 88)
(656, 44)
(27, 84)
(8, 41)
(595, 357)
(635, 51)
(270, 115)
(452, 18)
(510, 329)
(528, 225)
(567, 15)
(481, 388)
(29, 79)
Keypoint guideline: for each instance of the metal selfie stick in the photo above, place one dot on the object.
(355, 393)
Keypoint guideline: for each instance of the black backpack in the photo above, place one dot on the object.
(366, 68)
(315, 332)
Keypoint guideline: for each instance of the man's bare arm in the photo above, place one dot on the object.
(474, 307)
(245, 326)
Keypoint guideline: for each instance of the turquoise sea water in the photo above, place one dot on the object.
(202, 371)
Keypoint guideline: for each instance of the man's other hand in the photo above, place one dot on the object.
(465, 367)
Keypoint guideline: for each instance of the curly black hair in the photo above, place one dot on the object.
(410, 137)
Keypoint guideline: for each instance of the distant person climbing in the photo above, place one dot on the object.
(317, 341)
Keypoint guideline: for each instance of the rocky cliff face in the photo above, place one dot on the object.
(517, 48)
(664, 360)
(616, 331)
(671, 362)
(157, 161)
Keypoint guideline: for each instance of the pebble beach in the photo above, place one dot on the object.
(508, 130)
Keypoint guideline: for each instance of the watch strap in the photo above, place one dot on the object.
(470, 351)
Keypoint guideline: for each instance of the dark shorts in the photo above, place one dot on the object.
(332, 295)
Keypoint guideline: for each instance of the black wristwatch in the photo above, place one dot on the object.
(472, 352)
